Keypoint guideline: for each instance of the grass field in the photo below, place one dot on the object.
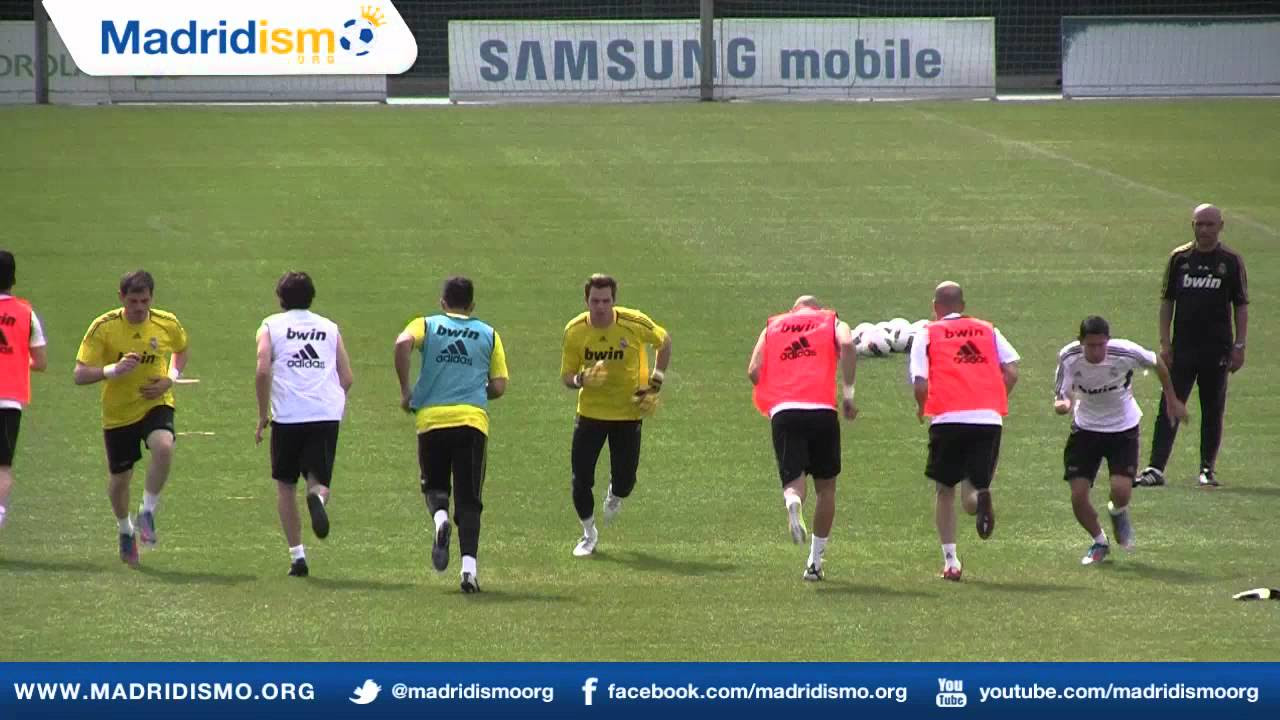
(712, 217)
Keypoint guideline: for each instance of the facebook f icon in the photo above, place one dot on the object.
(589, 689)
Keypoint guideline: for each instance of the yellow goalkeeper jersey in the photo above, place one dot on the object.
(110, 338)
(622, 348)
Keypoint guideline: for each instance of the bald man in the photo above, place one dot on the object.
(963, 371)
(1205, 288)
(792, 368)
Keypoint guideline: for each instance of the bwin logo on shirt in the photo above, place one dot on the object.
(455, 354)
(593, 355)
(145, 358)
(457, 332)
(1205, 283)
(793, 327)
(307, 357)
(309, 334)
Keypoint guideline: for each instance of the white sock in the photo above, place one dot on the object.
(441, 517)
(1111, 508)
(2, 513)
(469, 564)
(150, 501)
(1101, 538)
(125, 525)
(297, 552)
(818, 547)
(949, 555)
(589, 526)
(791, 500)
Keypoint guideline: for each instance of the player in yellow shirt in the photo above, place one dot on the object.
(605, 360)
(139, 352)
(462, 368)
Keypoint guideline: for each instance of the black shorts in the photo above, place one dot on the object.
(124, 444)
(302, 449)
(454, 458)
(10, 420)
(806, 442)
(959, 451)
(1086, 449)
(589, 436)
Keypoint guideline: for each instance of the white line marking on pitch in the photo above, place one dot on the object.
(197, 432)
(1130, 182)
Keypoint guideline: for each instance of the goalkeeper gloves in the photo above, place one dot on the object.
(646, 399)
(594, 376)
(655, 381)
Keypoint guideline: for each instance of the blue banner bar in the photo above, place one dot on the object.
(316, 691)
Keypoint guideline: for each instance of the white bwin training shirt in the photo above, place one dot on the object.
(1104, 392)
(304, 368)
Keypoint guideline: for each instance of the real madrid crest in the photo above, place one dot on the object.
(154, 344)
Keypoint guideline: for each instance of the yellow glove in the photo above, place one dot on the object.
(646, 401)
(596, 375)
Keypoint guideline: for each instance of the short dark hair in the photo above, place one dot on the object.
(295, 290)
(8, 270)
(599, 280)
(137, 281)
(1094, 325)
(458, 293)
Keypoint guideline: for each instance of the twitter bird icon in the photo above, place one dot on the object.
(366, 693)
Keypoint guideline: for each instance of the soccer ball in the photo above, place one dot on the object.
(898, 334)
(873, 342)
(908, 334)
(858, 331)
(357, 37)
(900, 339)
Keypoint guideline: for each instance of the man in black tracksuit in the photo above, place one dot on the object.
(1205, 288)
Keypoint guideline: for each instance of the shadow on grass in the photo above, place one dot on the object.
(492, 596)
(1260, 491)
(1029, 588)
(351, 584)
(178, 577)
(644, 561)
(829, 587)
(1163, 574)
(50, 566)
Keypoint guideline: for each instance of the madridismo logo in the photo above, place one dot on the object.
(235, 37)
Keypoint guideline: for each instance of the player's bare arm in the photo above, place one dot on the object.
(756, 363)
(403, 349)
(262, 383)
(90, 374)
(157, 387)
(1009, 371)
(848, 370)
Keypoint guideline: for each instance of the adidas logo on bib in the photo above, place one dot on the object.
(307, 357)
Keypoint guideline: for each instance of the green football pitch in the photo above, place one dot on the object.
(712, 217)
